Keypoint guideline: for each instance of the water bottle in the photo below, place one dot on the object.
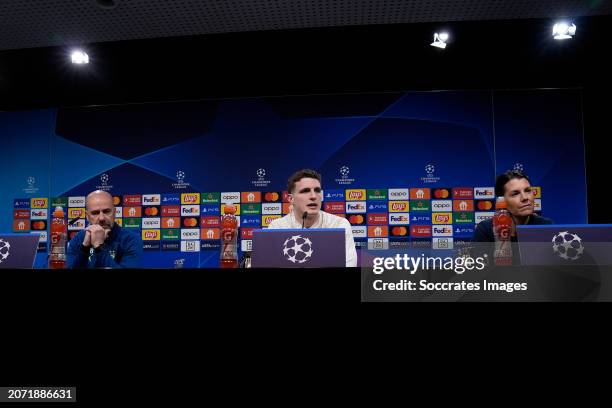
(57, 252)
(229, 238)
(502, 230)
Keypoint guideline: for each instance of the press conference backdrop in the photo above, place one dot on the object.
(416, 167)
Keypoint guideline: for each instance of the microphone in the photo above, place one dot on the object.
(304, 216)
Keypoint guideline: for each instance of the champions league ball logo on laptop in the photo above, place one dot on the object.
(567, 246)
(518, 167)
(31, 188)
(344, 178)
(261, 179)
(5, 250)
(430, 177)
(297, 249)
(180, 181)
(104, 180)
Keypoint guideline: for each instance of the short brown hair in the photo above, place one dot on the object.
(300, 174)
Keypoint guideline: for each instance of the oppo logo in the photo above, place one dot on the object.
(76, 201)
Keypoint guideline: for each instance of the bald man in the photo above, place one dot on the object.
(103, 244)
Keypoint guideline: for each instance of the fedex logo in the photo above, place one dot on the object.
(151, 199)
(40, 203)
(355, 195)
(481, 216)
(420, 230)
(442, 218)
(398, 194)
(333, 207)
(359, 232)
(378, 207)
(399, 219)
(398, 206)
(41, 214)
(22, 203)
(190, 198)
(170, 199)
(378, 219)
(230, 197)
(484, 193)
(441, 205)
(442, 231)
(170, 211)
(356, 207)
(333, 195)
(76, 201)
(150, 235)
(187, 210)
(132, 200)
(463, 193)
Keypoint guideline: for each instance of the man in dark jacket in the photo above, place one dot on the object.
(103, 244)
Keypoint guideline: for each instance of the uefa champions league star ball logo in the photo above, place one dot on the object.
(518, 167)
(430, 178)
(567, 246)
(344, 171)
(104, 178)
(180, 176)
(31, 188)
(344, 179)
(261, 179)
(31, 180)
(5, 250)
(297, 249)
(261, 173)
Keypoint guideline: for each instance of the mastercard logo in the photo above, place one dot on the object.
(356, 219)
(271, 196)
(38, 225)
(190, 222)
(485, 205)
(151, 211)
(399, 231)
(441, 193)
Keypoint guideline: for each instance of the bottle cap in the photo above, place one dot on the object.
(501, 203)
(59, 211)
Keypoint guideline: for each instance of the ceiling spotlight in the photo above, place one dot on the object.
(564, 31)
(79, 57)
(440, 40)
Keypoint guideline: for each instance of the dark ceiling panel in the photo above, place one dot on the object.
(44, 23)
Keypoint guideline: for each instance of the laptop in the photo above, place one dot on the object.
(18, 250)
(299, 248)
(565, 244)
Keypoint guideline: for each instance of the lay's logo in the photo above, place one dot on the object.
(267, 219)
(355, 195)
(40, 203)
(398, 206)
(150, 235)
(190, 198)
(442, 218)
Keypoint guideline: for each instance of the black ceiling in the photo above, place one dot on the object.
(46, 23)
